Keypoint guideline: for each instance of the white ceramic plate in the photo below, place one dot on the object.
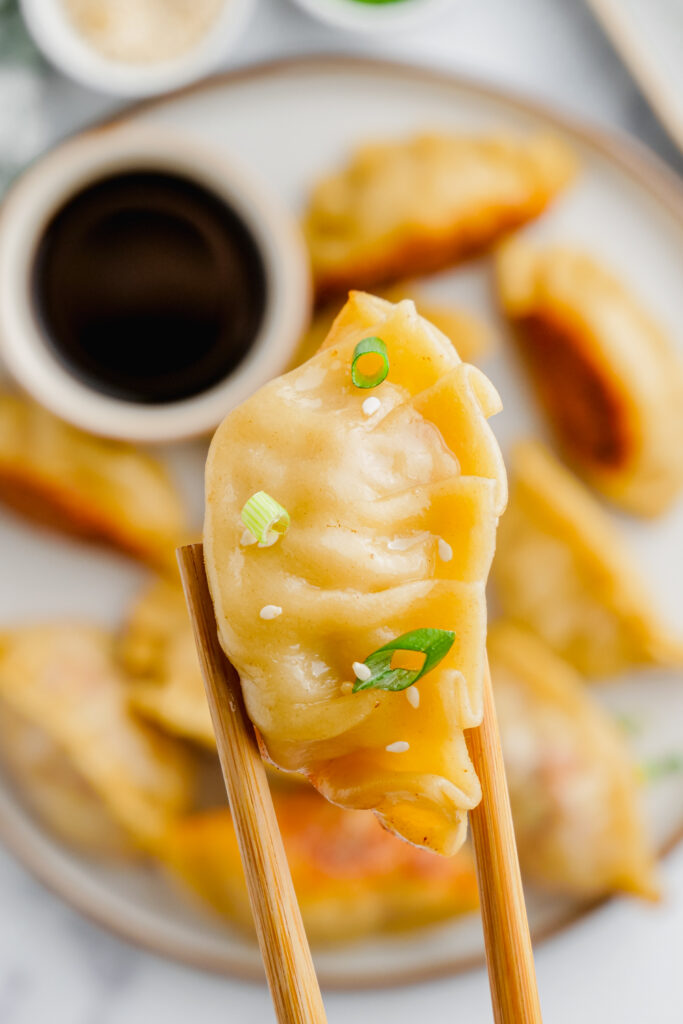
(648, 34)
(290, 122)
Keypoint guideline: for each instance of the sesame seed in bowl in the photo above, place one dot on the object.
(136, 47)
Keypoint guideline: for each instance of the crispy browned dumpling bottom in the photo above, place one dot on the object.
(352, 878)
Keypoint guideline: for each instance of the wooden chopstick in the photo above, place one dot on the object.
(284, 946)
(509, 955)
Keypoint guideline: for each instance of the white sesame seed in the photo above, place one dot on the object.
(247, 539)
(410, 541)
(445, 550)
(371, 405)
(346, 688)
(270, 611)
(399, 747)
(413, 696)
(361, 671)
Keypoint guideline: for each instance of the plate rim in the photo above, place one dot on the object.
(652, 174)
(26, 855)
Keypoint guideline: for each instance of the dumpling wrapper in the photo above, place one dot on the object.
(87, 486)
(351, 877)
(158, 652)
(469, 335)
(82, 760)
(368, 497)
(416, 205)
(562, 571)
(574, 794)
(606, 375)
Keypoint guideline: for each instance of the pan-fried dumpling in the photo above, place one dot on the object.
(158, 652)
(605, 373)
(351, 877)
(163, 678)
(574, 794)
(100, 490)
(393, 509)
(562, 571)
(409, 207)
(470, 336)
(92, 771)
(59, 796)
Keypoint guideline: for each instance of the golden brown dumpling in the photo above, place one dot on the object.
(574, 794)
(469, 335)
(158, 652)
(562, 571)
(606, 375)
(399, 209)
(97, 489)
(393, 518)
(86, 765)
(351, 877)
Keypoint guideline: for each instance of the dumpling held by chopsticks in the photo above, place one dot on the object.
(351, 514)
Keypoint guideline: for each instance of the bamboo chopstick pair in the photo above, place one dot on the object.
(282, 939)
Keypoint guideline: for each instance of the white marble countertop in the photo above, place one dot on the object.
(622, 963)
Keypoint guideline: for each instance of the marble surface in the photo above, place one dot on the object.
(621, 964)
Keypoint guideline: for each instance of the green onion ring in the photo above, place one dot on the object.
(265, 519)
(369, 346)
(433, 643)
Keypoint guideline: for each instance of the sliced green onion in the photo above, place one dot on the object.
(369, 347)
(433, 643)
(265, 518)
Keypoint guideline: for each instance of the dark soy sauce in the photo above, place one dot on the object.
(149, 287)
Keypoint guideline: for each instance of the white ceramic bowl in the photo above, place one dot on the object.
(64, 46)
(26, 351)
(373, 18)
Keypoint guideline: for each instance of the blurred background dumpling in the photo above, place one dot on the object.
(607, 377)
(352, 878)
(562, 570)
(101, 490)
(419, 204)
(158, 652)
(574, 794)
(73, 747)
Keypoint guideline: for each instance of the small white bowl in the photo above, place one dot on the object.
(373, 18)
(27, 352)
(63, 44)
